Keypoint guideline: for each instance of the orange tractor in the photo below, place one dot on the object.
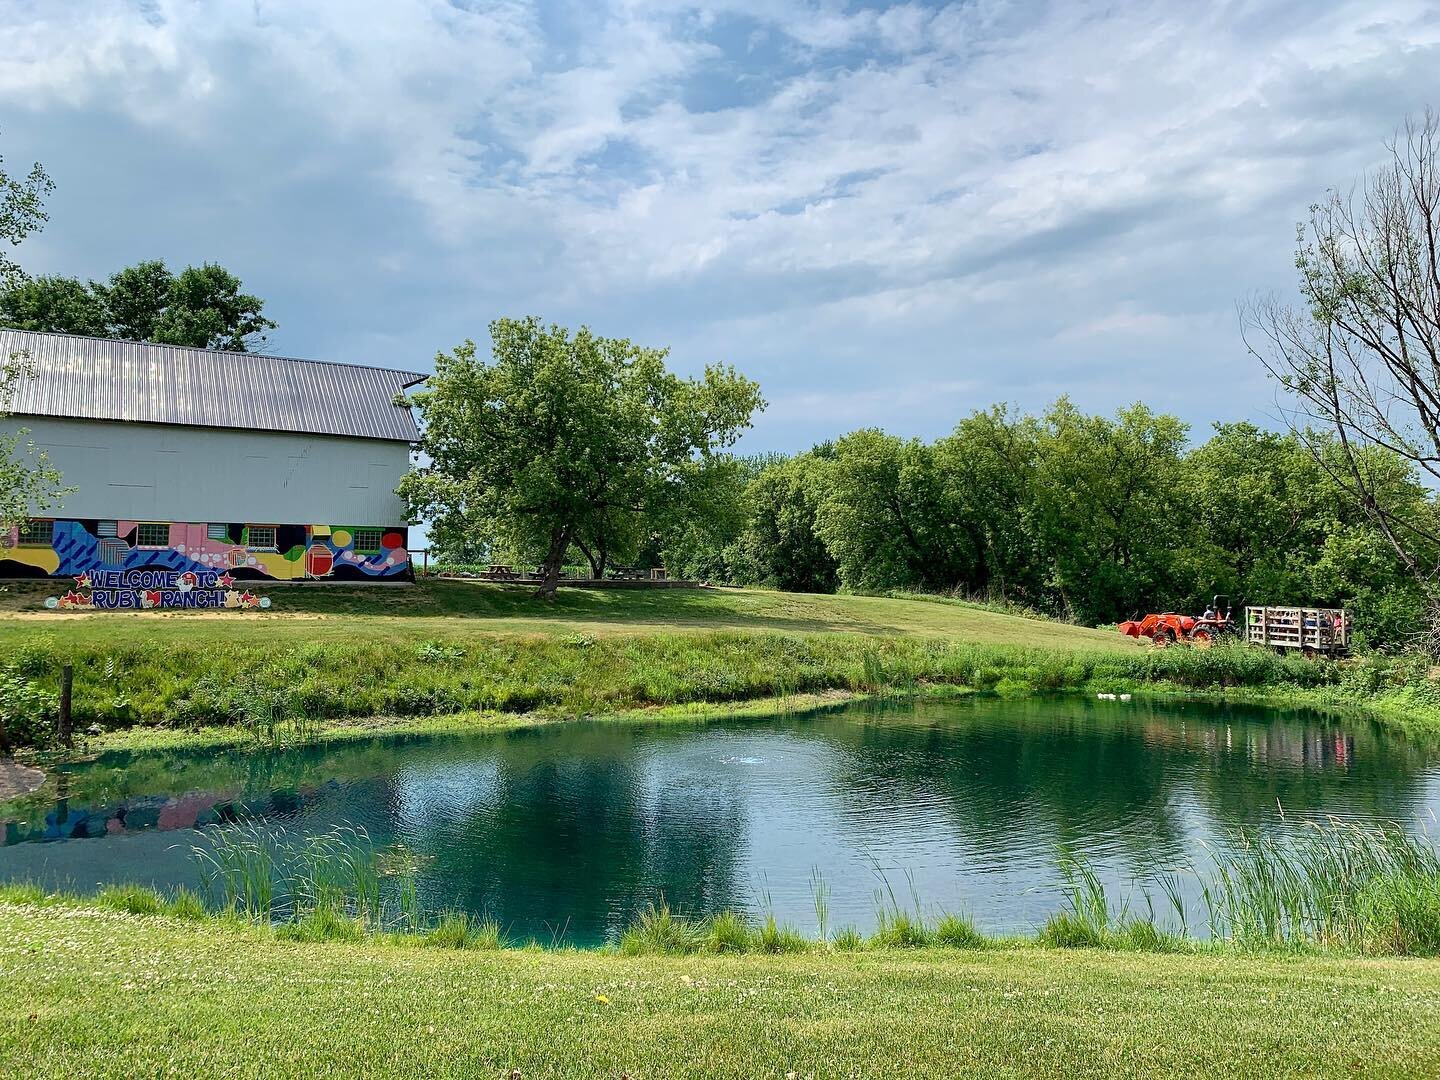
(1169, 628)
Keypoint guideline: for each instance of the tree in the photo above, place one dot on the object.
(1360, 358)
(558, 438)
(1108, 509)
(201, 307)
(779, 546)
(989, 464)
(22, 212)
(29, 483)
(886, 520)
(696, 539)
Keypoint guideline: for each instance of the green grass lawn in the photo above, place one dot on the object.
(91, 993)
(435, 608)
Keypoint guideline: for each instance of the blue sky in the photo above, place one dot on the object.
(889, 214)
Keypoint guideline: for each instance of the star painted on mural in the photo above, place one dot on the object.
(249, 599)
(224, 581)
(74, 599)
(82, 580)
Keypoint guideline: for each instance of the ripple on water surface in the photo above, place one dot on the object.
(572, 828)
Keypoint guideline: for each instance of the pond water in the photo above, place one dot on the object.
(566, 831)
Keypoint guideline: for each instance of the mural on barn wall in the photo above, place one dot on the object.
(300, 552)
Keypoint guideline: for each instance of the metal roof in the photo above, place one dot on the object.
(100, 379)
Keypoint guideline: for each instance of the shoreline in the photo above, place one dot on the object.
(17, 780)
(1410, 721)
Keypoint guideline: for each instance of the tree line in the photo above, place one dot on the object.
(1078, 516)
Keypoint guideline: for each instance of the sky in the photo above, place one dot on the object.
(888, 214)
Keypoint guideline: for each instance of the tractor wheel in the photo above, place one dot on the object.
(1203, 637)
(1163, 638)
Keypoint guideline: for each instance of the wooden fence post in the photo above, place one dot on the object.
(67, 681)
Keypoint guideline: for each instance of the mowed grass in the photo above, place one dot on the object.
(445, 608)
(104, 994)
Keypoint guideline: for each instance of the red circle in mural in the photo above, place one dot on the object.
(392, 540)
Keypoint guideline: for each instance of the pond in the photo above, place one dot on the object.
(563, 832)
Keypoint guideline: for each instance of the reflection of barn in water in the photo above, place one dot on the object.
(1298, 746)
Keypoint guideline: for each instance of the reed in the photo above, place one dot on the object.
(1329, 884)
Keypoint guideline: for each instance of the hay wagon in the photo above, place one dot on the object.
(1313, 631)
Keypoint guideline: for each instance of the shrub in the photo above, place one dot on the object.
(729, 932)
(958, 932)
(456, 930)
(27, 712)
(659, 930)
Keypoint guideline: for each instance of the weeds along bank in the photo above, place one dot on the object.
(1326, 887)
(293, 682)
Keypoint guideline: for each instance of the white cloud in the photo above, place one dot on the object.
(917, 196)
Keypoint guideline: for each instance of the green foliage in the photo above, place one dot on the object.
(29, 483)
(202, 307)
(886, 517)
(659, 930)
(132, 899)
(959, 932)
(565, 439)
(1089, 518)
(729, 932)
(458, 930)
(22, 212)
(323, 923)
(27, 710)
(779, 546)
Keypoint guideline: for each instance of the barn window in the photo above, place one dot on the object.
(38, 531)
(152, 534)
(367, 541)
(218, 532)
(261, 538)
(107, 528)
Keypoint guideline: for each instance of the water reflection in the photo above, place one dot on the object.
(570, 829)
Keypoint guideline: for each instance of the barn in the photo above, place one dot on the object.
(181, 459)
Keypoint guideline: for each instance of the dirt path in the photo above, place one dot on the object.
(17, 779)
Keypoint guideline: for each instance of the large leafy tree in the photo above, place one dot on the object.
(886, 516)
(558, 436)
(202, 306)
(1108, 509)
(989, 465)
(779, 545)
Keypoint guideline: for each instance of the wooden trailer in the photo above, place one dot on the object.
(1314, 631)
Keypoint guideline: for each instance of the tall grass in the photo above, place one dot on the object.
(264, 873)
(281, 698)
(1330, 884)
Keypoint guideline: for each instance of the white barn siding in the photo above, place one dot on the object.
(162, 472)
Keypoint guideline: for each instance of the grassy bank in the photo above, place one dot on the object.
(284, 688)
(324, 613)
(98, 993)
(448, 649)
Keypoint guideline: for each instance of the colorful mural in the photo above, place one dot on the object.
(244, 552)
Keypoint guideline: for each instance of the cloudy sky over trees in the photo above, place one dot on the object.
(887, 214)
